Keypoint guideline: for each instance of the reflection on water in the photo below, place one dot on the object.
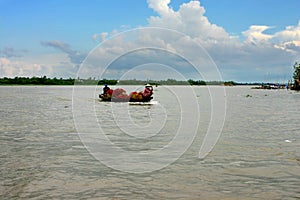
(257, 156)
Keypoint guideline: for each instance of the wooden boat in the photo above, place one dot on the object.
(119, 95)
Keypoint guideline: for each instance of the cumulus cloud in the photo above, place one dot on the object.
(51, 65)
(5, 67)
(4, 61)
(253, 54)
(289, 34)
(189, 19)
(288, 39)
(255, 34)
(161, 7)
(75, 56)
(16, 68)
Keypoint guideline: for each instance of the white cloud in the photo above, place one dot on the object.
(288, 39)
(15, 68)
(50, 65)
(189, 19)
(254, 54)
(5, 67)
(255, 34)
(4, 61)
(238, 58)
(291, 33)
(161, 7)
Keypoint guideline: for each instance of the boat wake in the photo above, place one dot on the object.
(143, 103)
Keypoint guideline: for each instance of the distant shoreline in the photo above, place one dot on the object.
(44, 81)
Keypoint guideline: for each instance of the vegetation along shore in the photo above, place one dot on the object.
(93, 81)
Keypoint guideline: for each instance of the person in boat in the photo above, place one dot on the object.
(105, 89)
(148, 91)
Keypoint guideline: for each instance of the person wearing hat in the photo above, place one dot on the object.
(148, 91)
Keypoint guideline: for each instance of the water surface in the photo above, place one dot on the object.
(256, 157)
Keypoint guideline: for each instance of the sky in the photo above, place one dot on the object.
(245, 41)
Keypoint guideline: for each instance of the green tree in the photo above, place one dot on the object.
(296, 76)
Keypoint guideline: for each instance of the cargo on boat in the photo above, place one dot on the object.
(120, 95)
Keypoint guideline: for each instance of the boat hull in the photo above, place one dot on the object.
(112, 99)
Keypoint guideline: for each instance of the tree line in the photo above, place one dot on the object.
(36, 81)
(93, 81)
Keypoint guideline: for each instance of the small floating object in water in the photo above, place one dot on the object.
(248, 95)
(288, 141)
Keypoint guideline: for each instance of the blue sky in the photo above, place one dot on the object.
(236, 15)
(249, 40)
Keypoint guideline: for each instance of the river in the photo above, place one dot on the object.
(43, 155)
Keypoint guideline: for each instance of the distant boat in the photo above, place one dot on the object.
(271, 86)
